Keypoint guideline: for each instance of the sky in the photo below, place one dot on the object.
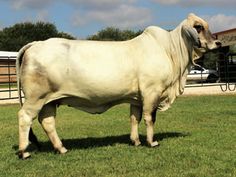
(82, 18)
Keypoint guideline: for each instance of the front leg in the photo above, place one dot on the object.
(150, 104)
(135, 118)
(150, 118)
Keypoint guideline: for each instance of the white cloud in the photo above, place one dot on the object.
(220, 22)
(120, 13)
(122, 16)
(100, 4)
(94, 4)
(166, 2)
(31, 4)
(197, 3)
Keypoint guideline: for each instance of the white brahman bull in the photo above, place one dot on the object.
(148, 72)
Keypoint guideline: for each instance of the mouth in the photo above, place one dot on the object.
(215, 45)
(201, 49)
(205, 47)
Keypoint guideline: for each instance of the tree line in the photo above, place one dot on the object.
(14, 37)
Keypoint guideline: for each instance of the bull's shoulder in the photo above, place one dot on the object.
(154, 30)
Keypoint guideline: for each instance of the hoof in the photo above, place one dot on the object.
(154, 144)
(24, 155)
(137, 143)
(62, 150)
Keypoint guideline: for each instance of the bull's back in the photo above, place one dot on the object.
(93, 70)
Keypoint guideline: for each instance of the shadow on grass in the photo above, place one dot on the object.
(85, 143)
(93, 142)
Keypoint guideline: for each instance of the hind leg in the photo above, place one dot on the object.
(47, 119)
(26, 115)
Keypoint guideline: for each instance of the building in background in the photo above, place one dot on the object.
(228, 37)
(227, 55)
(7, 67)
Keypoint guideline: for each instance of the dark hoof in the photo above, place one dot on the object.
(136, 143)
(24, 155)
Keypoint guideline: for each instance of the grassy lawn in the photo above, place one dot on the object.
(197, 137)
(6, 86)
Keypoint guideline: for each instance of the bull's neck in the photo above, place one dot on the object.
(181, 51)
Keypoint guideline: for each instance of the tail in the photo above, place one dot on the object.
(18, 67)
(19, 60)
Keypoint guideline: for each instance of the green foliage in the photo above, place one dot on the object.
(114, 34)
(210, 60)
(197, 138)
(64, 35)
(14, 37)
(232, 48)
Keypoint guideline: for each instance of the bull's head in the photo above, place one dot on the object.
(197, 30)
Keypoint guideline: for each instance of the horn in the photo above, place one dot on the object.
(191, 33)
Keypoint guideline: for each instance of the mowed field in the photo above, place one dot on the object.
(197, 137)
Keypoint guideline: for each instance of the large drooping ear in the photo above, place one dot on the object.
(191, 34)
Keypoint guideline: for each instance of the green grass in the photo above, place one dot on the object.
(6, 86)
(197, 137)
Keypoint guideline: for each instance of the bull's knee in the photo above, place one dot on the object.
(148, 120)
(48, 124)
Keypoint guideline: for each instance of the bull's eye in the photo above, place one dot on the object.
(199, 28)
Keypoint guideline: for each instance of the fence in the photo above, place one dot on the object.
(228, 72)
(224, 76)
(8, 88)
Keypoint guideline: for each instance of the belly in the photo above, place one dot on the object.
(93, 107)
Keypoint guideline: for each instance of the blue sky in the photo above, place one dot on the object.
(86, 17)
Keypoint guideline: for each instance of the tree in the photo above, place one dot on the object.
(13, 38)
(114, 34)
(210, 60)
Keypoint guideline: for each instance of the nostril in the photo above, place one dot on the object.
(218, 43)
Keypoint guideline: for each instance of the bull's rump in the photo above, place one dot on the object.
(93, 71)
